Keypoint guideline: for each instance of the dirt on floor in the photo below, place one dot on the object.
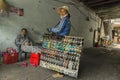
(95, 64)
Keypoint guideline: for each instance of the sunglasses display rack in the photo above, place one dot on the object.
(62, 54)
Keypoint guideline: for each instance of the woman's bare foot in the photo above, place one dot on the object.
(58, 75)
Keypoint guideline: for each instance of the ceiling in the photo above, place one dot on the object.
(106, 9)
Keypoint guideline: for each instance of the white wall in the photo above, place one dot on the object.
(39, 15)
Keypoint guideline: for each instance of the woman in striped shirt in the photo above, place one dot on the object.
(63, 27)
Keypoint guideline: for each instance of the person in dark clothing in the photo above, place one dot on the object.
(22, 39)
(63, 27)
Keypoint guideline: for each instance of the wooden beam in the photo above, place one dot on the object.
(82, 0)
(109, 16)
(94, 1)
(103, 3)
(109, 11)
(112, 17)
(114, 8)
(113, 12)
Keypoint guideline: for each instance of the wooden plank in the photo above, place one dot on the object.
(94, 1)
(103, 3)
(109, 16)
(109, 11)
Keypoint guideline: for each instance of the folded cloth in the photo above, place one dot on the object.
(30, 48)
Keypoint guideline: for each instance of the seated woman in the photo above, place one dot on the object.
(22, 39)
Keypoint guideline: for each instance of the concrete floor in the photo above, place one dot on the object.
(96, 64)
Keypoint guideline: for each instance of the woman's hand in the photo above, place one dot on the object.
(48, 30)
(27, 44)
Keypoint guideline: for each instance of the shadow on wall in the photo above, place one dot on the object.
(38, 21)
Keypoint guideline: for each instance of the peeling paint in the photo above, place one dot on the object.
(37, 19)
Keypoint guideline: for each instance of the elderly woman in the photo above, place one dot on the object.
(22, 39)
(63, 27)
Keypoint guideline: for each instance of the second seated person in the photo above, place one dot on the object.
(22, 39)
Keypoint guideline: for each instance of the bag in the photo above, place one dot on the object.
(24, 64)
(35, 59)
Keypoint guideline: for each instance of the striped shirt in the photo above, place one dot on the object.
(63, 28)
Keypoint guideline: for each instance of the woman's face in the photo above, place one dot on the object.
(23, 32)
(62, 12)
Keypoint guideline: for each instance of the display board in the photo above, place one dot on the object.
(62, 54)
